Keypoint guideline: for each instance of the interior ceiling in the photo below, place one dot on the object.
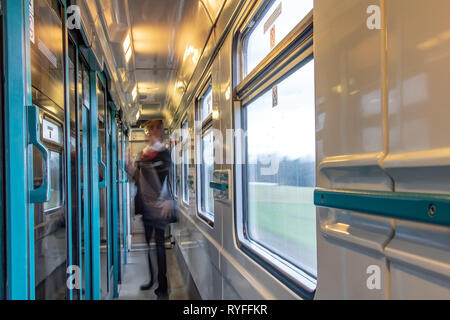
(168, 38)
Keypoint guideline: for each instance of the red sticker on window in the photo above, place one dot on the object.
(274, 96)
(272, 38)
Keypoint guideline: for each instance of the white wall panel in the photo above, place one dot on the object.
(349, 108)
(351, 143)
(419, 144)
(418, 78)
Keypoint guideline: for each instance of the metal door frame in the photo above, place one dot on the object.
(66, 150)
(78, 162)
(124, 183)
(108, 186)
(81, 112)
(86, 224)
(114, 198)
(94, 191)
(2, 242)
(69, 236)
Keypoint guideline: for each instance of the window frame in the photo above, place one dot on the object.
(203, 128)
(289, 56)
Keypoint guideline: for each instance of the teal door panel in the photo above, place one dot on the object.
(17, 97)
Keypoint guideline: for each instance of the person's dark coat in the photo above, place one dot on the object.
(151, 171)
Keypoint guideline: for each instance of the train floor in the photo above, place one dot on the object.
(136, 273)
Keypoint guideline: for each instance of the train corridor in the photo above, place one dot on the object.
(278, 149)
(136, 273)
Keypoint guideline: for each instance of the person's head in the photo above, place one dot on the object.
(154, 130)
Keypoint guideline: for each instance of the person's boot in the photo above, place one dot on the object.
(149, 285)
(162, 290)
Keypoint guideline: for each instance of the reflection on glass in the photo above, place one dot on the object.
(207, 171)
(47, 53)
(86, 88)
(281, 17)
(55, 182)
(281, 170)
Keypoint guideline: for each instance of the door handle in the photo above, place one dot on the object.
(41, 194)
(122, 168)
(102, 184)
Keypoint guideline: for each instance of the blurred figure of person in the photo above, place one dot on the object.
(150, 173)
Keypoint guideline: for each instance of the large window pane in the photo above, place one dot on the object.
(281, 17)
(281, 169)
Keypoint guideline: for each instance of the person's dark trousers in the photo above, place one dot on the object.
(160, 256)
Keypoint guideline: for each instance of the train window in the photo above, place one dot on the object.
(276, 216)
(174, 172)
(273, 25)
(185, 155)
(280, 209)
(206, 156)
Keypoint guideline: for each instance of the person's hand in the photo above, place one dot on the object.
(129, 154)
(166, 209)
(131, 168)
